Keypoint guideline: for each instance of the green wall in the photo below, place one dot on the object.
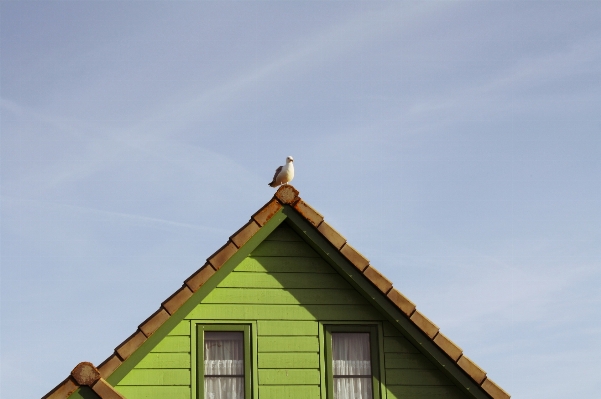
(284, 289)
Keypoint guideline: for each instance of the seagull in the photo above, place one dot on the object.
(283, 174)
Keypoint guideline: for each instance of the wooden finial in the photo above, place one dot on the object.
(286, 194)
(85, 374)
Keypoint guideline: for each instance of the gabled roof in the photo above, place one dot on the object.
(400, 310)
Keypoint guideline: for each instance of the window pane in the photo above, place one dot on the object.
(351, 354)
(224, 353)
(224, 365)
(351, 366)
(224, 387)
(352, 388)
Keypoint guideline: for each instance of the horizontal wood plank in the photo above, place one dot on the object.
(154, 392)
(173, 344)
(283, 233)
(285, 248)
(289, 392)
(284, 264)
(288, 377)
(292, 296)
(269, 327)
(156, 377)
(407, 361)
(425, 392)
(283, 280)
(182, 328)
(284, 312)
(390, 331)
(165, 361)
(416, 377)
(288, 344)
(299, 360)
(398, 344)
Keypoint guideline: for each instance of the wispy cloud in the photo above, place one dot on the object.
(511, 84)
(128, 217)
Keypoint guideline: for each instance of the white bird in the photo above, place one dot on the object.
(283, 174)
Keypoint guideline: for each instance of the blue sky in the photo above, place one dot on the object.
(456, 144)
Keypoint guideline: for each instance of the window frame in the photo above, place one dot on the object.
(199, 372)
(374, 347)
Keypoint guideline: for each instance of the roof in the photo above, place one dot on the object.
(390, 300)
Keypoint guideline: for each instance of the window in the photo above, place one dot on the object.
(223, 362)
(352, 362)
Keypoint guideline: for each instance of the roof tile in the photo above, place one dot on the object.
(151, 324)
(429, 328)
(107, 367)
(176, 300)
(132, 343)
(240, 237)
(197, 280)
(287, 194)
(448, 346)
(381, 282)
(472, 369)
(358, 260)
(494, 390)
(334, 237)
(306, 211)
(222, 255)
(266, 213)
(105, 390)
(62, 390)
(404, 304)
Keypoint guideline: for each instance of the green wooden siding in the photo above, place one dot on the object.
(287, 360)
(154, 392)
(289, 392)
(285, 289)
(424, 392)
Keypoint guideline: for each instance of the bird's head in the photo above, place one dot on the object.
(289, 159)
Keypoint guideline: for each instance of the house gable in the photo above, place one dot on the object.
(288, 271)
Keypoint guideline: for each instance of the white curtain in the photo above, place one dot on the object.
(351, 356)
(224, 365)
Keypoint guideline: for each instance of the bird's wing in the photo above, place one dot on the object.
(277, 172)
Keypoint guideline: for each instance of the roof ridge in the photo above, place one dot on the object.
(285, 195)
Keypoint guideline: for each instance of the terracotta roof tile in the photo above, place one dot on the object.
(62, 390)
(105, 390)
(107, 367)
(222, 255)
(175, 301)
(494, 390)
(132, 343)
(472, 369)
(358, 260)
(287, 194)
(334, 237)
(197, 280)
(85, 374)
(404, 304)
(240, 237)
(312, 216)
(151, 324)
(448, 346)
(267, 212)
(429, 328)
(381, 282)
